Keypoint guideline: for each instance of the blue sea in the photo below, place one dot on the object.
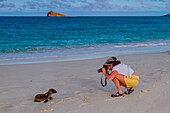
(52, 39)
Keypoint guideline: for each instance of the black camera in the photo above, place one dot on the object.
(100, 70)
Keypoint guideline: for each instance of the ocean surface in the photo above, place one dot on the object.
(49, 39)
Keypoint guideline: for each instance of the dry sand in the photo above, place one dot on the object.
(79, 89)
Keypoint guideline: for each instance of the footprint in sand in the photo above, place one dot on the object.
(159, 78)
(77, 92)
(94, 92)
(46, 110)
(84, 104)
(156, 85)
(110, 99)
(52, 102)
(85, 100)
(168, 82)
(145, 90)
(4, 103)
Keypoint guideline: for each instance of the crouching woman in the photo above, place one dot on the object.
(122, 75)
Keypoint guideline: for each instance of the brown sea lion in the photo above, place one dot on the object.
(46, 96)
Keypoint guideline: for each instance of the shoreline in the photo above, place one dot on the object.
(86, 56)
(79, 89)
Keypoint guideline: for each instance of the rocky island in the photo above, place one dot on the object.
(167, 15)
(54, 14)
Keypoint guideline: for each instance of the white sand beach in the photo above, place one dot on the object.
(79, 88)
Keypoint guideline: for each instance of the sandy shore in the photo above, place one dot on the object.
(79, 89)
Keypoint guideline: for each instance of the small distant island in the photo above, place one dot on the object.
(167, 15)
(54, 14)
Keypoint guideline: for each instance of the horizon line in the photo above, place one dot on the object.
(86, 15)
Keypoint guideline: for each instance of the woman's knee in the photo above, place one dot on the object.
(118, 76)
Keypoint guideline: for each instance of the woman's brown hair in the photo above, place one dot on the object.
(116, 63)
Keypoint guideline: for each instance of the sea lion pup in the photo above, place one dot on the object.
(46, 96)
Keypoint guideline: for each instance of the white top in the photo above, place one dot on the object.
(123, 69)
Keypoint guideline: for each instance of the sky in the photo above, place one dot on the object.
(85, 7)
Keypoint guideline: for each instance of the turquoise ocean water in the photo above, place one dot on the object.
(50, 39)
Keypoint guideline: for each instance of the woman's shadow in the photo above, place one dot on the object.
(95, 84)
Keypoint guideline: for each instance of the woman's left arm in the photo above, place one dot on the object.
(109, 76)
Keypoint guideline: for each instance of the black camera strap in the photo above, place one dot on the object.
(102, 81)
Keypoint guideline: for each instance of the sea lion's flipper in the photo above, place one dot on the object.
(51, 98)
(46, 100)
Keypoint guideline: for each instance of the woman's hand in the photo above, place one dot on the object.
(104, 70)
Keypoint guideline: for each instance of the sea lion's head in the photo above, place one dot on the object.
(52, 91)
